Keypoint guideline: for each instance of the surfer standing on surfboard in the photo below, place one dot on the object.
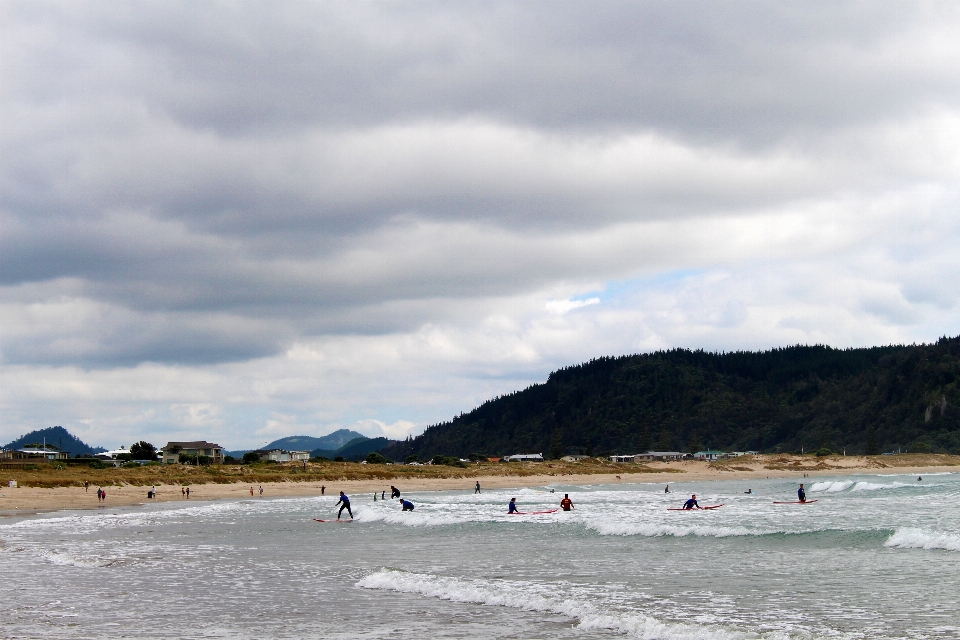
(345, 499)
(801, 494)
(513, 505)
(692, 503)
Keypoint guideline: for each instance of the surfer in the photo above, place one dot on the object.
(919, 478)
(692, 503)
(345, 499)
(477, 490)
(394, 492)
(801, 494)
(748, 491)
(513, 506)
(566, 504)
(323, 489)
(406, 505)
(666, 489)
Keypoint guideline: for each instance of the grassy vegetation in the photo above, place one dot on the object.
(145, 476)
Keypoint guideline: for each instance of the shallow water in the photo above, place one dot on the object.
(875, 557)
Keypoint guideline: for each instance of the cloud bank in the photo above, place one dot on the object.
(248, 220)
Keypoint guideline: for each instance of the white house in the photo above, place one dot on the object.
(663, 455)
(621, 458)
(525, 457)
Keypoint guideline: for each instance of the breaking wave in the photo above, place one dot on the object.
(832, 487)
(531, 596)
(920, 539)
(614, 528)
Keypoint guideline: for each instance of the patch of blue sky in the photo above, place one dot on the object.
(626, 289)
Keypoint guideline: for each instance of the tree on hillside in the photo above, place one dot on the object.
(143, 450)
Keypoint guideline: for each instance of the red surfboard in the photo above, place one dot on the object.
(796, 502)
(532, 513)
(716, 506)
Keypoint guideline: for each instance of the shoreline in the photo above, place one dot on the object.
(25, 501)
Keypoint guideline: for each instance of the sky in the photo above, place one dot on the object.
(238, 221)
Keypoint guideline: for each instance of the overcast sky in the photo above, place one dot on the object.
(245, 220)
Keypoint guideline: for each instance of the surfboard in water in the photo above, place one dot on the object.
(715, 506)
(796, 502)
(319, 520)
(532, 513)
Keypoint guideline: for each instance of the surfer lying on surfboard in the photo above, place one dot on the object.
(692, 503)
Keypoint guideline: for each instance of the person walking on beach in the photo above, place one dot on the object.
(801, 494)
(188, 493)
(566, 504)
(345, 500)
(99, 494)
(261, 491)
(406, 505)
(251, 492)
(86, 485)
(692, 503)
(323, 488)
(103, 494)
(513, 506)
(477, 490)
(183, 492)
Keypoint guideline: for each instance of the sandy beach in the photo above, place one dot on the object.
(21, 500)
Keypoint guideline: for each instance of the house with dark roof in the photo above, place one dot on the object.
(170, 454)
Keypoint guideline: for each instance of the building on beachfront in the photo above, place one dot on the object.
(574, 458)
(712, 456)
(36, 453)
(170, 454)
(113, 455)
(661, 456)
(282, 455)
(525, 457)
(621, 458)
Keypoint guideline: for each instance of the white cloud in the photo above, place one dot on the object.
(560, 307)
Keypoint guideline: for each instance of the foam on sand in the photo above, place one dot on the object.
(561, 599)
(919, 539)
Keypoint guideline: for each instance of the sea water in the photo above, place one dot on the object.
(874, 557)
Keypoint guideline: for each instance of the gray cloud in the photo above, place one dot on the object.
(217, 188)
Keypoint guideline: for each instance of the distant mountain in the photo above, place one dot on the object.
(58, 437)
(331, 441)
(357, 449)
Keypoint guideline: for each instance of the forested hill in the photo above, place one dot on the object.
(862, 400)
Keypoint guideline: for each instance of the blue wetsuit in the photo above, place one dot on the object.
(690, 504)
(407, 505)
(801, 494)
(345, 499)
(513, 508)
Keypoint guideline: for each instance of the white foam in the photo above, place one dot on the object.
(530, 596)
(919, 539)
(615, 528)
(873, 486)
(831, 487)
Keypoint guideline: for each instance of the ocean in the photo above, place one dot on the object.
(877, 556)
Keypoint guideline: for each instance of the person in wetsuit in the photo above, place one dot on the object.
(478, 487)
(801, 494)
(566, 504)
(394, 492)
(513, 506)
(692, 503)
(406, 505)
(345, 500)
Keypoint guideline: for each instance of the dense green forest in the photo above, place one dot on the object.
(812, 397)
